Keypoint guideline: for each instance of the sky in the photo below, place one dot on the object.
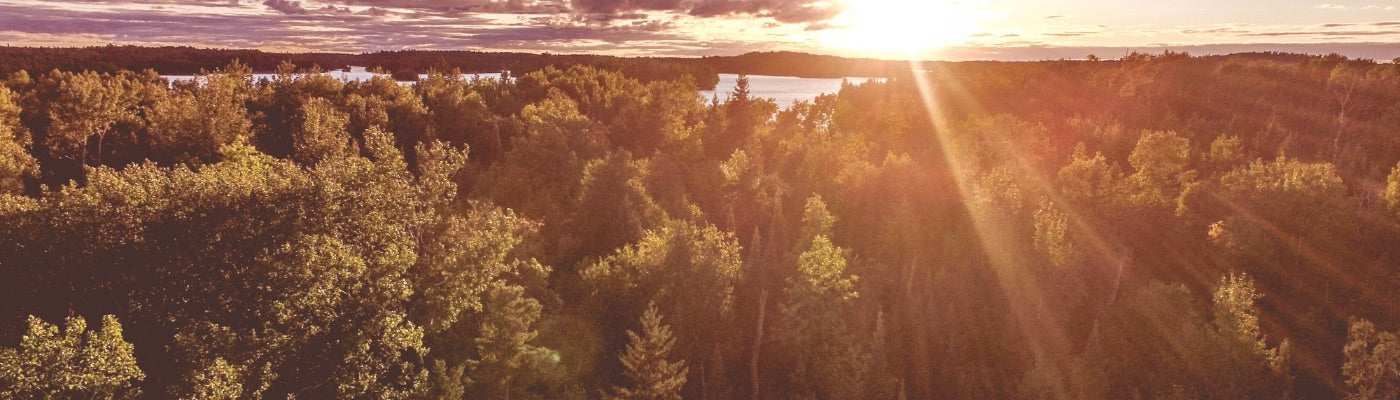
(924, 29)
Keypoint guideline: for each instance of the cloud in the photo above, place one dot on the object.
(466, 6)
(286, 6)
(1330, 7)
(306, 26)
(1324, 33)
(785, 11)
(788, 11)
(1072, 34)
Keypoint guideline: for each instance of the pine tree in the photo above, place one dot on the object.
(652, 377)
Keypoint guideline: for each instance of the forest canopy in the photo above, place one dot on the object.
(1158, 226)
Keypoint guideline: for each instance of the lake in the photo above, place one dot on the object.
(784, 90)
(355, 74)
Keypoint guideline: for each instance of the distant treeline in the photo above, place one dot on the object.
(408, 64)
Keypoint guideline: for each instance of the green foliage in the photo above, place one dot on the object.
(1160, 162)
(72, 363)
(1089, 180)
(650, 375)
(88, 106)
(16, 164)
(190, 125)
(1372, 367)
(1251, 368)
(1225, 152)
(218, 381)
(620, 209)
(323, 132)
(1052, 236)
(1392, 190)
(832, 357)
(681, 268)
(822, 279)
(1157, 345)
(460, 115)
(317, 281)
(1269, 207)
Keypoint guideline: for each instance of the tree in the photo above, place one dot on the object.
(681, 268)
(1089, 180)
(189, 125)
(73, 363)
(1342, 83)
(218, 381)
(1053, 237)
(1249, 368)
(323, 132)
(88, 106)
(832, 357)
(618, 208)
(647, 368)
(16, 164)
(1156, 344)
(1159, 163)
(744, 117)
(1372, 366)
(1392, 190)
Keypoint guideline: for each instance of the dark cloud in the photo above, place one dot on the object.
(620, 6)
(360, 31)
(789, 11)
(471, 6)
(374, 12)
(286, 6)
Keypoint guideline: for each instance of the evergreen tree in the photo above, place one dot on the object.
(650, 375)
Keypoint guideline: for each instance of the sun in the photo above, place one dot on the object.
(908, 26)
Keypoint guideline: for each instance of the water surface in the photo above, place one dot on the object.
(784, 90)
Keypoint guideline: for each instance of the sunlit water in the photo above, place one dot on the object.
(784, 90)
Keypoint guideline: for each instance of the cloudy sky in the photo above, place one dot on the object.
(928, 29)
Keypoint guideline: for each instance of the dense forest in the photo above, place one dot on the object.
(1157, 226)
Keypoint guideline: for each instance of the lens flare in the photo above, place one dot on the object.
(907, 26)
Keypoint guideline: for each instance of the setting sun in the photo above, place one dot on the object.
(902, 25)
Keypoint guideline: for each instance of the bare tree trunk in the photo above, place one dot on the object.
(758, 342)
(1341, 123)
